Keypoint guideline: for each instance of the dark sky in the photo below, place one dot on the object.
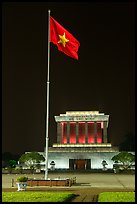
(102, 79)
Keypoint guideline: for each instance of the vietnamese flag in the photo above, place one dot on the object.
(64, 40)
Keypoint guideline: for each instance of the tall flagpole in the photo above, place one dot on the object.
(47, 116)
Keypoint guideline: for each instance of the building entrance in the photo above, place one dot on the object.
(79, 164)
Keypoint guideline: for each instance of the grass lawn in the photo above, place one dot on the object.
(116, 197)
(36, 196)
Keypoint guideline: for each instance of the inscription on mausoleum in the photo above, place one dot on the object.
(82, 118)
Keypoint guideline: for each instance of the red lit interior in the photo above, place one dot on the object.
(81, 138)
(72, 132)
(90, 132)
(102, 125)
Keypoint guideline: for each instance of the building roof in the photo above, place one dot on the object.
(77, 116)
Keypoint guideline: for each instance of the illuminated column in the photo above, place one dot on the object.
(77, 132)
(95, 132)
(86, 133)
(105, 132)
(58, 133)
(68, 132)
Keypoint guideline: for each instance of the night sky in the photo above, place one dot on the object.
(101, 80)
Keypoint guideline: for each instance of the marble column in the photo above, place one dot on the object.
(105, 132)
(68, 132)
(95, 132)
(86, 133)
(58, 133)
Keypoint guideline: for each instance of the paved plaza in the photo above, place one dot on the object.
(98, 180)
(87, 187)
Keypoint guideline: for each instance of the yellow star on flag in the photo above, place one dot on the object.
(63, 39)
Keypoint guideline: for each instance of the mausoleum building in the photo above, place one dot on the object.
(82, 141)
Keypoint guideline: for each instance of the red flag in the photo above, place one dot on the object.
(64, 40)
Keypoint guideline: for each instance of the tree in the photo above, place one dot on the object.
(6, 156)
(12, 163)
(31, 159)
(125, 158)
